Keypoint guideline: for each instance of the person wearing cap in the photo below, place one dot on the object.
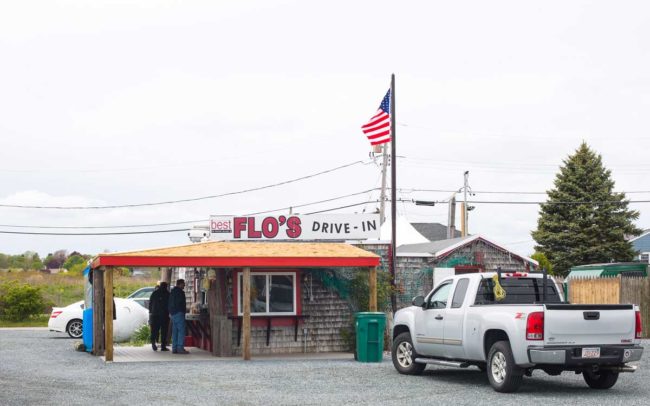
(159, 316)
(177, 309)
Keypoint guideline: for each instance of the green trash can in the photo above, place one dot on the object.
(370, 327)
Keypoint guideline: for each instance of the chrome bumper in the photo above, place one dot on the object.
(567, 355)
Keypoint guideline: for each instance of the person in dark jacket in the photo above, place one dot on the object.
(159, 316)
(177, 312)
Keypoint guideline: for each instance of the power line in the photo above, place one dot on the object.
(343, 207)
(506, 192)
(319, 211)
(314, 212)
(186, 200)
(446, 167)
(152, 231)
(357, 204)
(501, 163)
(78, 234)
(313, 203)
(519, 242)
(568, 203)
(189, 221)
(99, 227)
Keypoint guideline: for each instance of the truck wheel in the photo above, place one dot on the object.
(504, 375)
(600, 379)
(404, 355)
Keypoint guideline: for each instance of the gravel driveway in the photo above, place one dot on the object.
(40, 367)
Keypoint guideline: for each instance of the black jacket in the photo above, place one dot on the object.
(159, 302)
(177, 301)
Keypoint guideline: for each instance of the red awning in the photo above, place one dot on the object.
(244, 254)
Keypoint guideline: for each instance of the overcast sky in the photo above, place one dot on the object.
(109, 103)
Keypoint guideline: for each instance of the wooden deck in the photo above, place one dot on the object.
(146, 354)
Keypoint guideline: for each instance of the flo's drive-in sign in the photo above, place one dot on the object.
(295, 227)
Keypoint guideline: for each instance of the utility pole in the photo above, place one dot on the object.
(463, 229)
(464, 206)
(451, 218)
(393, 194)
(382, 197)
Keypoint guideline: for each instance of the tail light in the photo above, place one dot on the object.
(54, 314)
(535, 326)
(638, 329)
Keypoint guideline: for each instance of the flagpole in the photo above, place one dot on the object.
(393, 193)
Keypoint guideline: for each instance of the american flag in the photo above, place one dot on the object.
(378, 128)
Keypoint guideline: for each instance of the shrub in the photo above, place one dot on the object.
(141, 336)
(20, 301)
(359, 287)
(360, 291)
(544, 263)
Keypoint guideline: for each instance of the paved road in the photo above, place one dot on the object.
(39, 367)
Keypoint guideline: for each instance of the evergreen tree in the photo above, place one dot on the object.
(592, 231)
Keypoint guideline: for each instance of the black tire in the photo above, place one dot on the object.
(504, 375)
(74, 328)
(600, 379)
(404, 355)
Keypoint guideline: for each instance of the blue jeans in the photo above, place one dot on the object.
(178, 331)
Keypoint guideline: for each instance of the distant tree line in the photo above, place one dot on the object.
(74, 262)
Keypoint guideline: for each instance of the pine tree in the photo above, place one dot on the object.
(572, 234)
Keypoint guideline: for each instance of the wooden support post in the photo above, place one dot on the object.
(372, 284)
(108, 313)
(98, 312)
(220, 326)
(166, 276)
(246, 300)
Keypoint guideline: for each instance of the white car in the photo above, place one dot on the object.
(142, 296)
(67, 319)
(130, 317)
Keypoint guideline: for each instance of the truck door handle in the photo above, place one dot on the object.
(438, 317)
(591, 315)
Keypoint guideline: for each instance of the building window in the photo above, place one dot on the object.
(271, 293)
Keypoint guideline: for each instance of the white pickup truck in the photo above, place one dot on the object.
(512, 323)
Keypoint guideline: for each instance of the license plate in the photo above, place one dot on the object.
(591, 353)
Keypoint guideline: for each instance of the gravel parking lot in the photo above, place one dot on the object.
(40, 367)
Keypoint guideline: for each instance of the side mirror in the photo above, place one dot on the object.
(418, 301)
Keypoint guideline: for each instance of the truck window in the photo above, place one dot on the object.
(459, 293)
(518, 291)
(439, 298)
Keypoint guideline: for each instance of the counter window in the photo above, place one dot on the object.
(271, 293)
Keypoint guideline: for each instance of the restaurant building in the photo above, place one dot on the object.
(289, 307)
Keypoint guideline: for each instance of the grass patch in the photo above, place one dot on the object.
(140, 338)
(62, 289)
(33, 321)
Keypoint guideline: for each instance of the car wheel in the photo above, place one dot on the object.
(600, 379)
(404, 355)
(504, 375)
(75, 328)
